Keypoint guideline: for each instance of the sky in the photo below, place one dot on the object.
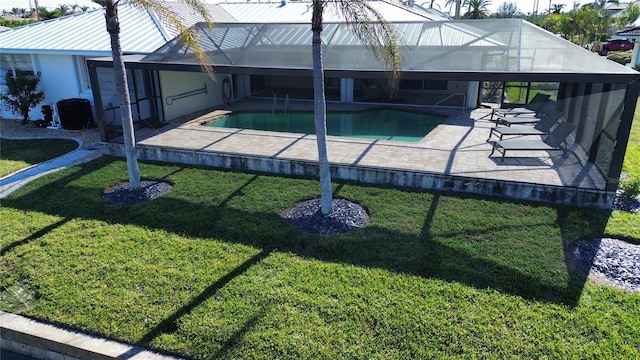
(525, 6)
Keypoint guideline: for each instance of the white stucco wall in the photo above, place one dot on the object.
(175, 83)
(58, 79)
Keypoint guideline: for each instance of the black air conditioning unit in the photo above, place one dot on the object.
(75, 114)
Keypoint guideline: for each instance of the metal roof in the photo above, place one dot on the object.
(480, 46)
(86, 34)
(300, 11)
(143, 31)
(632, 33)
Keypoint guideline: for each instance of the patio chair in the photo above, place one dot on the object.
(542, 127)
(552, 142)
(529, 109)
(547, 106)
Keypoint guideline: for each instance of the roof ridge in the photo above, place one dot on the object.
(157, 22)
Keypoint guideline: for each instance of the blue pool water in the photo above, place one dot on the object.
(383, 124)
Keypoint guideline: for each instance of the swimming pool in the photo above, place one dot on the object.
(382, 124)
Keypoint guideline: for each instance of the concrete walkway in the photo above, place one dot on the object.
(43, 341)
(12, 182)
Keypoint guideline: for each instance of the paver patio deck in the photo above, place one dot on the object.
(456, 148)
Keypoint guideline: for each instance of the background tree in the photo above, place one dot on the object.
(628, 16)
(44, 14)
(556, 8)
(478, 9)
(507, 11)
(370, 26)
(458, 5)
(63, 8)
(21, 94)
(187, 36)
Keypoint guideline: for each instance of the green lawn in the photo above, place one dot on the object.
(212, 271)
(20, 154)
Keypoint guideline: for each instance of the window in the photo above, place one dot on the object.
(10, 63)
(523, 92)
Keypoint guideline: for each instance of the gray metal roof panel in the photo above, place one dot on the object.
(86, 34)
(505, 45)
(300, 12)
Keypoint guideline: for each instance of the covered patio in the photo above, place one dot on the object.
(470, 66)
(453, 157)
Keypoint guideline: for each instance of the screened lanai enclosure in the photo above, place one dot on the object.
(445, 64)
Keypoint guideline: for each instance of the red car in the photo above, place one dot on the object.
(616, 45)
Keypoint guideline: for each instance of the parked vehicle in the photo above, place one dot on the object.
(615, 45)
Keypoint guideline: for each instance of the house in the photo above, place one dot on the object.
(263, 49)
(445, 62)
(57, 49)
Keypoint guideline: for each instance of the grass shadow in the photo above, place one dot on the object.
(35, 236)
(434, 253)
(170, 324)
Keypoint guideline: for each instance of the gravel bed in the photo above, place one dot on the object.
(610, 261)
(120, 194)
(15, 129)
(623, 202)
(346, 216)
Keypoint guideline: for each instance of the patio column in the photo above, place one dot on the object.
(634, 56)
(473, 91)
(346, 90)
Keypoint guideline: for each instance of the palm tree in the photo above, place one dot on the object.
(557, 8)
(477, 9)
(458, 4)
(120, 75)
(63, 8)
(369, 25)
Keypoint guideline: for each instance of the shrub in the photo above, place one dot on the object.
(21, 94)
(631, 186)
(621, 57)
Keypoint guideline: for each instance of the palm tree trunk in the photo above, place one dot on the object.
(120, 78)
(320, 111)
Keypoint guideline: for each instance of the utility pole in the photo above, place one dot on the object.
(37, 10)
